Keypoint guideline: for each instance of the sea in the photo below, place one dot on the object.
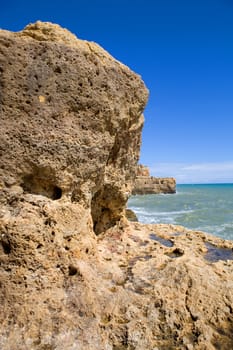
(204, 207)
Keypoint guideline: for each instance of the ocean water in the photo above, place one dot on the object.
(205, 207)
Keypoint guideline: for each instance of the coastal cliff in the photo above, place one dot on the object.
(146, 184)
(74, 273)
(72, 120)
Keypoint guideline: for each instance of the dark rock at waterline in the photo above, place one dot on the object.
(130, 214)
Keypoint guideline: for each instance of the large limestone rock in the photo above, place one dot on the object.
(71, 120)
(146, 184)
(70, 134)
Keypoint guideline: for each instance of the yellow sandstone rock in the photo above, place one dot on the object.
(74, 273)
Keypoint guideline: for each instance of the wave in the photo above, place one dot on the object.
(203, 208)
(140, 211)
(154, 220)
(226, 228)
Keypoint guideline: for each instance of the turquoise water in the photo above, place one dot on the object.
(207, 208)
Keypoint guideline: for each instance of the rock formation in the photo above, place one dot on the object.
(72, 120)
(74, 273)
(146, 184)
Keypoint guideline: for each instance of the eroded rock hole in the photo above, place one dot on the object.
(41, 185)
(57, 70)
(101, 215)
(57, 193)
(106, 209)
(50, 222)
(176, 253)
(73, 270)
(6, 246)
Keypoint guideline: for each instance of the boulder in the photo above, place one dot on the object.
(71, 120)
(130, 215)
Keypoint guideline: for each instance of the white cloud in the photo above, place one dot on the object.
(195, 173)
(224, 166)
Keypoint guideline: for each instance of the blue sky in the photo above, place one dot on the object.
(184, 52)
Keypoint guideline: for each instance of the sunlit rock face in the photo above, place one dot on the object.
(74, 273)
(146, 184)
(71, 120)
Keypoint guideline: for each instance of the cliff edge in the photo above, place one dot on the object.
(146, 184)
(74, 273)
(71, 120)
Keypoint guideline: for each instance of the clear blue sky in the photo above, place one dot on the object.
(184, 52)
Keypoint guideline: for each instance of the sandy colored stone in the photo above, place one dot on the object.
(146, 184)
(74, 273)
(175, 298)
(71, 120)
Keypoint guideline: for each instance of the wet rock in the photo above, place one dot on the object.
(130, 214)
(165, 242)
(217, 253)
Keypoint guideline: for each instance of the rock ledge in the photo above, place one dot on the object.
(146, 184)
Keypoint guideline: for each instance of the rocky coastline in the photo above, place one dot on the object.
(75, 274)
(146, 184)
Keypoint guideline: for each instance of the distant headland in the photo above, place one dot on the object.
(146, 184)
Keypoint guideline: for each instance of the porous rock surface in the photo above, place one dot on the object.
(146, 184)
(71, 120)
(74, 273)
